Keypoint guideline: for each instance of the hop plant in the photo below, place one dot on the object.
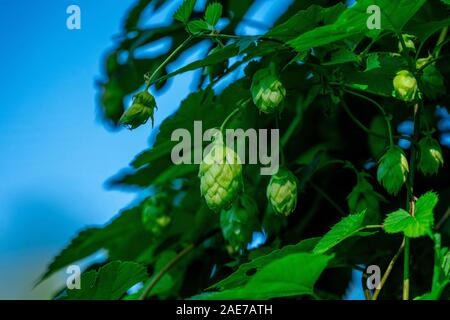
(405, 85)
(154, 214)
(267, 91)
(239, 222)
(215, 70)
(393, 169)
(220, 175)
(430, 156)
(282, 192)
(141, 109)
(422, 61)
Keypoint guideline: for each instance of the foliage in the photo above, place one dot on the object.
(337, 91)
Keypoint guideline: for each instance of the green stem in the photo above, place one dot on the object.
(328, 198)
(166, 61)
(228, 118)
(277, 123)
(437, 261)
(383, 112)
(440, 40)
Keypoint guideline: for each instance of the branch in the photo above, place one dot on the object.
(166, 268)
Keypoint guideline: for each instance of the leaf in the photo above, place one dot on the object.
(436, 293)
(417, 225)
(432, 83)
(353, 22)
(372, 62)
(197, 26)
(345, 228)
(184, 12)
(213, 13)
(110, 282)
(124, 238)
(246, 270)
(292, 275)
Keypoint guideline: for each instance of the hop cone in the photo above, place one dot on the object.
(363, 197)
(430, 156)
(154, 214)
(282, 192)
(142, 108)
(393, 169)
(220, 176)
(405, 85)
(409, 42)
(239, 222)
(267, 91)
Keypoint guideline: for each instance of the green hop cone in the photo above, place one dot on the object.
(141, 109)
(430, 156)
(393, 169)
(363, 197)
(239, 222)
(282, 192)
(220, 175)
(405, 85)
(422, 61)
(267, 91)
(154, 214)
(217, 69)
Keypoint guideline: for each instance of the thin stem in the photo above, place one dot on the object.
(281, 151)
(385, 115)
(166, 268)
(388, 271)
(437, 261)
(166, 61)
(440, 40)
(228, 118)
(327, 197)
(443, 219)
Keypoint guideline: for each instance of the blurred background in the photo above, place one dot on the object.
(55, 153)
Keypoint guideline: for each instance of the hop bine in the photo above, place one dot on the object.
(282, 192)
(220, 175)
(142, 108)
(267, 91)
(393, 170)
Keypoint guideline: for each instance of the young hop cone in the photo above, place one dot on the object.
(220, 175)
(141, 109)
(430, 156)
(239, 222)
(154, 214)
(282, 192)
(393, 170)
(409, 43)
(405, 85)
(267, 91)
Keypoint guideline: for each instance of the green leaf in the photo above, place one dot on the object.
(110, 282)
(432, 83)
(184, 11)
(292, 275)
(345, 228)
(197, 26)
(372, 62)
(436, 293)
(245, 270)
(417, 225)
(353, 22)
(213, 13)
(124, 238)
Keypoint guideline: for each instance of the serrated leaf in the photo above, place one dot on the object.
(292, 275)
(197, 26)
(110, 282)
(246, 270)
(124, 238)
(432, 83)
(184, 12)
(417, 225)
(353, 22)
(213, 13)
(345, 228)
